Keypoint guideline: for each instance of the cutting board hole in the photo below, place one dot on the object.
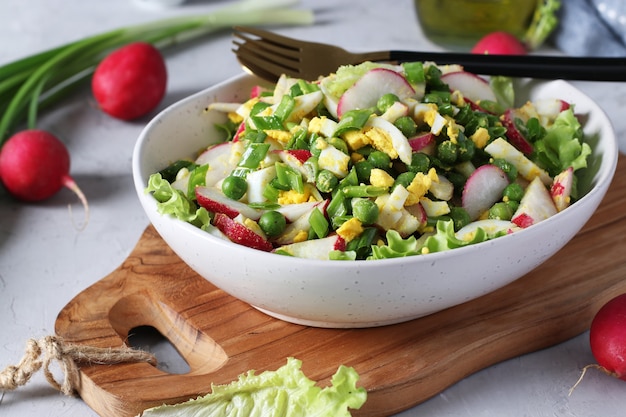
(150, 339)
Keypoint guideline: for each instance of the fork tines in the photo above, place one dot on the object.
(265, 54)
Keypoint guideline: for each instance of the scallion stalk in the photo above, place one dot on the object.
(41, 80)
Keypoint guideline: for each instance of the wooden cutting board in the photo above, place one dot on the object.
(400, 365)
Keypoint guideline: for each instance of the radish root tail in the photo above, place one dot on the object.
(69, 183)
(601, 368)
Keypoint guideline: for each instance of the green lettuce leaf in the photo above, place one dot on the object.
(396, 247)
(286, 392)
(174, 202)
(346, 75)
(563, 145)
(445, 238)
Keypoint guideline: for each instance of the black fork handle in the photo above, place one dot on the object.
(532, 66)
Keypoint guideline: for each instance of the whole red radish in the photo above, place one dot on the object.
(607, 337)
(35, 165)
(131, 81)
(499, 43)
(544, 20)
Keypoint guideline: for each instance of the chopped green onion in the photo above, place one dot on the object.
(289, 177)
(253, 155)
(42, 79)
(319, 224)
(270, 122)
(285, 107)
(414, 72)
(353, 120)
(352, 191)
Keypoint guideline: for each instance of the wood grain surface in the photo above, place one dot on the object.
(400, 365)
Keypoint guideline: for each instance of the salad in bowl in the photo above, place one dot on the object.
(378, 161)
(377, 194)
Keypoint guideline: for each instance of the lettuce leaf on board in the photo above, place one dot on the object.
(286, 392)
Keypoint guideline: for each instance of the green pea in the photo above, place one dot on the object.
(500, 211)
(513, 192)
(467, 150)
(420, 162)
(508, 168)
(460, 217)
(234, 187)
(514, 205)
(379, 160)
(385, 101)
(407, 126)
(447, 152)
(458, 180)
(326, 181)
(272, 223)
(365, 210)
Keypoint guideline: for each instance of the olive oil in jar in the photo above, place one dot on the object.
(461, 23)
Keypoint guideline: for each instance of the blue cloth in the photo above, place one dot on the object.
(591, 28)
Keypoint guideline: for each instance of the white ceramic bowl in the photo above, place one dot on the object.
(346, 294)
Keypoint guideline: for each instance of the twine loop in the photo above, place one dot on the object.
(41, 353)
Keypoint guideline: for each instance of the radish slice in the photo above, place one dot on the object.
(470, 85)
(316, 248)
(220, 162)
(490, 226)
(516, 137)
(213, 200)
(241, 234)
(372, 86)
(483, 189)
(561, 189)
(536, 205)
(422, 142)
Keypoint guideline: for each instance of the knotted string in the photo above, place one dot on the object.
(41, 353)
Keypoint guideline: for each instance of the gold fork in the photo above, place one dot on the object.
(268, 55)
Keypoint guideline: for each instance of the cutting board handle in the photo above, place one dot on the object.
(143, 308)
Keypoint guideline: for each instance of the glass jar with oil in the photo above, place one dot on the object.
(460, 23)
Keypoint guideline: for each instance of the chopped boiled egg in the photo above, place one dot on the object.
(420, 110)
(294, 197)
(332, 159)
(386, 137)
(480, 137)
(436, 121)
(420, 186)
(457, 98)
(434, 208)
(236, 152)
(254, 226)
(380, 178)
(301, 236)
(391, 207)
(322, 126)
(281, 136)
(350, 229)
(355, 139)
(304, 105)
(244, 109)
(381, 140)
(453, 129)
